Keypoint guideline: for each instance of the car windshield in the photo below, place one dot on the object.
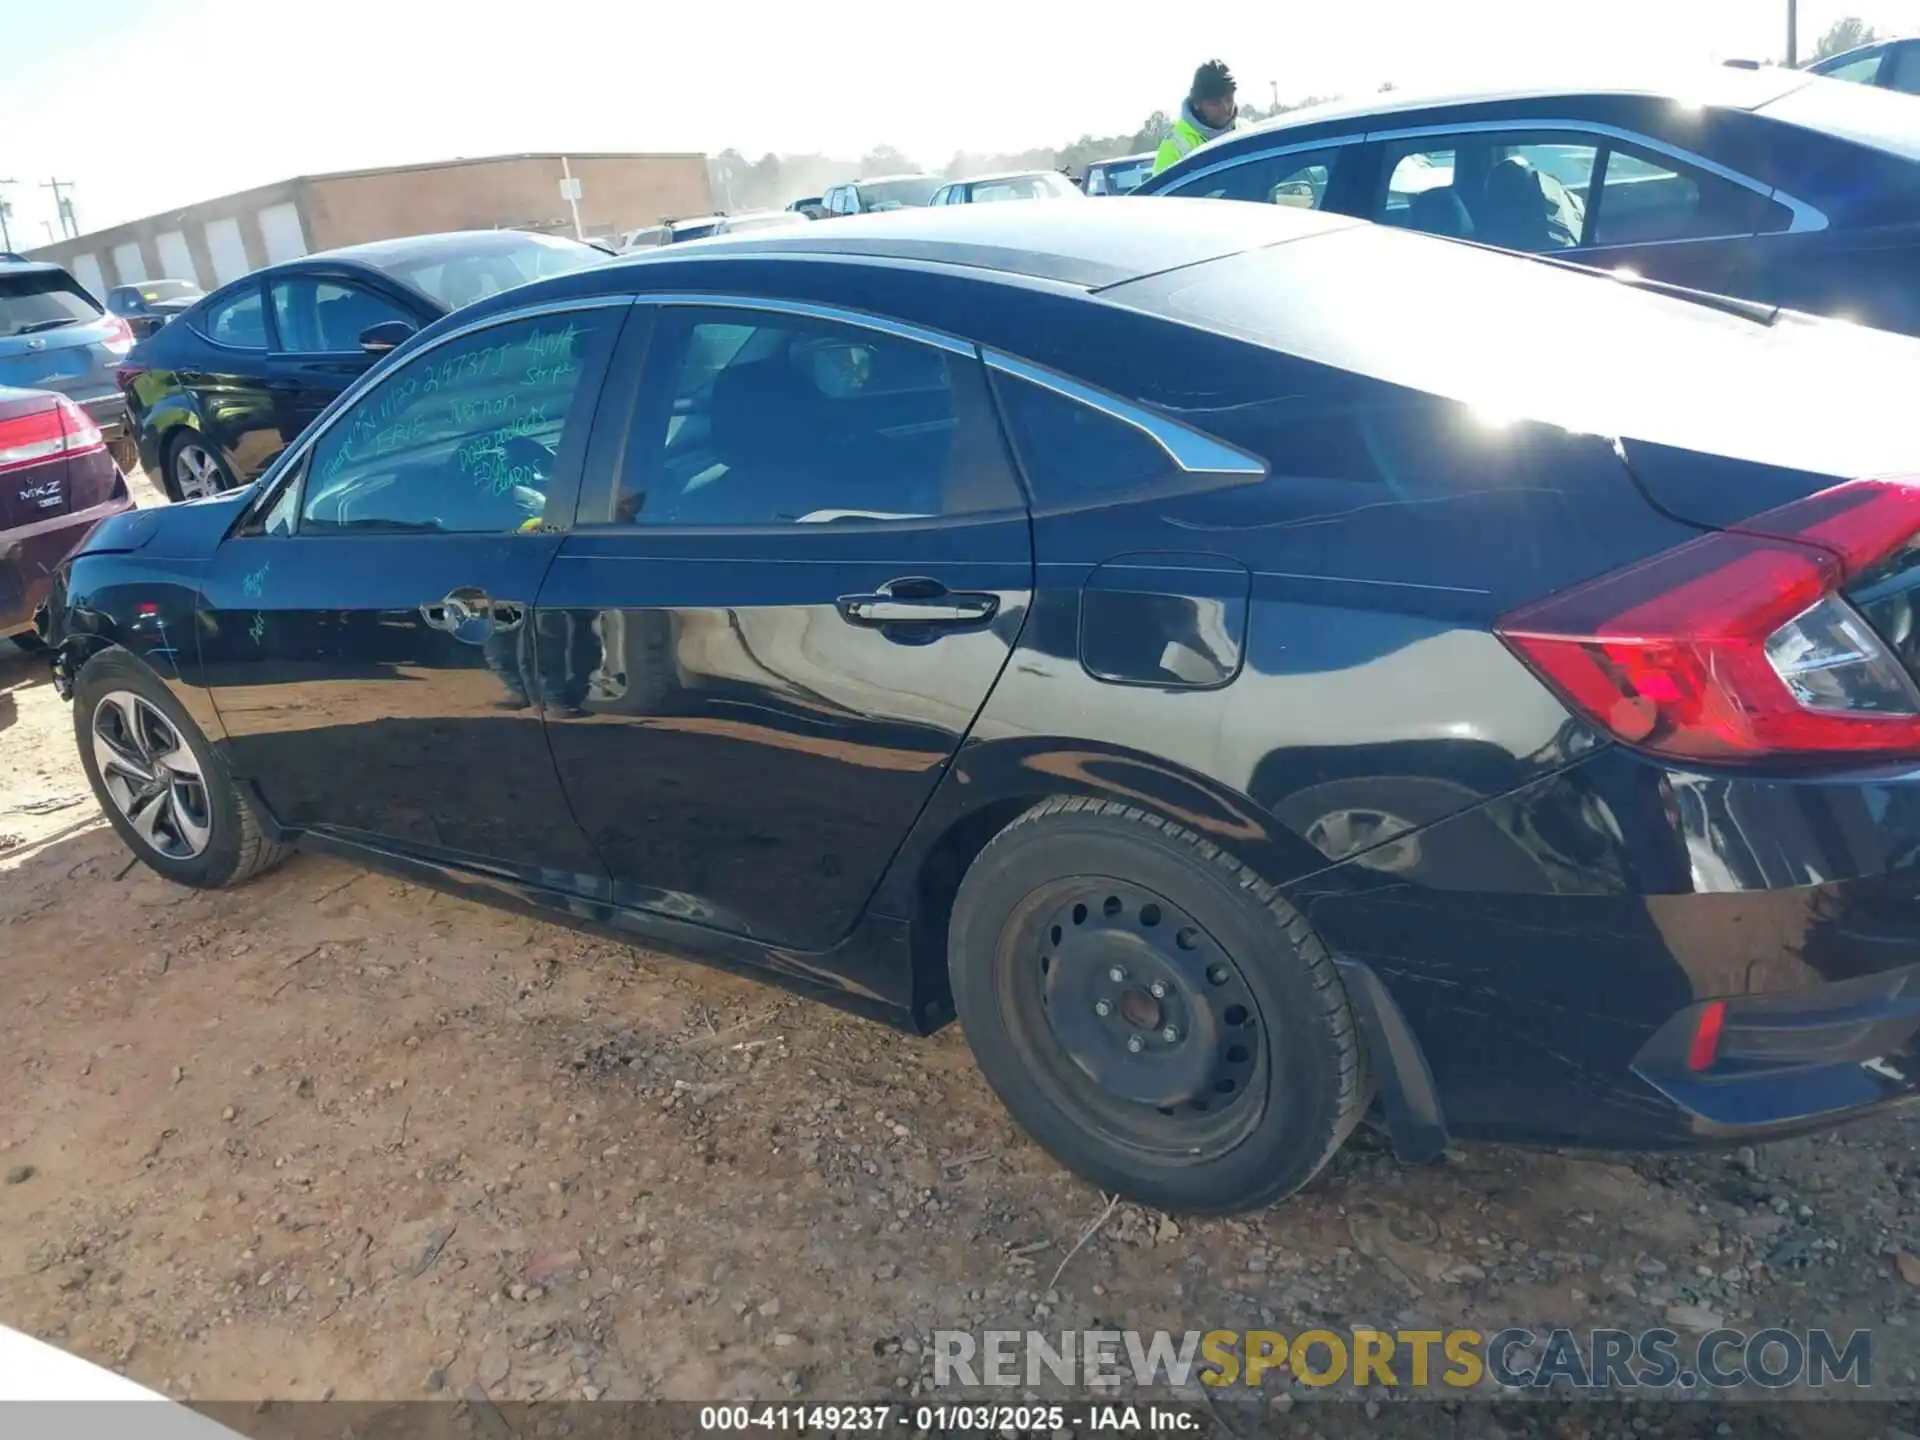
(456, 279)
(1043, 186)
(159, 290)
(896, 194)
(1864, 114)
(42, 300)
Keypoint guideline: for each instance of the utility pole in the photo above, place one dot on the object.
(1276, 95)
(1793, 34)
(6, 213)
(63, 207)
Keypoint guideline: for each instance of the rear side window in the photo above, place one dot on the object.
(237, 320)
(41, 300)
(1072, 453)
(1646, 197)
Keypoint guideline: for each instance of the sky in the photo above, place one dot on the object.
(148, 105)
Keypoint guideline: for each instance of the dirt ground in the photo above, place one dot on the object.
(332, 1134)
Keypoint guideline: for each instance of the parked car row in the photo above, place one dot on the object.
(241, 373)
(1771, 185)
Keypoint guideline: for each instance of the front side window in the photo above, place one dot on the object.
(464, 438)
(1863, 71)
(756, 419)
(313, 315)
(1299, 180)
(238, 320)
(1903, 64)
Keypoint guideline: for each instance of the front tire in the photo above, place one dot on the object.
(160, 783)
(1158, 1018)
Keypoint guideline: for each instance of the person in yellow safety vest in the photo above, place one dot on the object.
(1206, 114)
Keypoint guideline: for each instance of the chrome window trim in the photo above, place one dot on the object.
(289, 460)
(1332, 142)
(1805, 217)
(1193, 452)
(807, 310)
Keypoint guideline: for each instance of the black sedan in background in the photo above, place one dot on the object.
(1772, 185)
(227, 386)
(152, 303)
(1243, 661)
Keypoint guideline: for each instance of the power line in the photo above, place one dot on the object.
(63, 207)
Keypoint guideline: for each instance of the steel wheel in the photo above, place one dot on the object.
(151, 775)
(1145, 1025)
(196, 471)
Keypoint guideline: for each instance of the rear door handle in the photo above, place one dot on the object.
(917, 600)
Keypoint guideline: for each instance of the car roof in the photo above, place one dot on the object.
(1122, 159)
(381, 253)
(1065, 243)
(31, 267)
(1004, 175)
(883, 179)
(1717, 86)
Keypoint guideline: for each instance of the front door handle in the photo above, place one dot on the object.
(918, 601)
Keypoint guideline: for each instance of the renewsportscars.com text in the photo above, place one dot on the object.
(1514, 1359)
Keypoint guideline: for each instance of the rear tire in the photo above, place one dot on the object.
(193, 468)
(160, 783)
(1156, 1016)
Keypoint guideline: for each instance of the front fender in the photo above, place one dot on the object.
(142, 604)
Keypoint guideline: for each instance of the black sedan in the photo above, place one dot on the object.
(233, 381)
(1209, 649)
(1772, 185)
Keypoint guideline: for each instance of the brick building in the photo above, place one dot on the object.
(215, 241)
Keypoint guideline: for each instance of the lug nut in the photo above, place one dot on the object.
(1117, 975)
(1136, 1044)
(1169, 1034)
(1103, 1007)
(1158, 990)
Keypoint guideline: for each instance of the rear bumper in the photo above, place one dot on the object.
(29, 554)
(1547, 953)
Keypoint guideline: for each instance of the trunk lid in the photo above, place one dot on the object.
(31, 489)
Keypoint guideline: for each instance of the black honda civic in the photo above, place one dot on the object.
(1254, 668)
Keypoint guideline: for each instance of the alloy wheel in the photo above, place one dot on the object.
(151, 775)
(196, 473)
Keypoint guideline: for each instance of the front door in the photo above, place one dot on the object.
(368, 639)
(788, 602)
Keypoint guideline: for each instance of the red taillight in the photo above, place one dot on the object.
(119, 336)
(1737, 645)
(1706, 1036)
(46, 435)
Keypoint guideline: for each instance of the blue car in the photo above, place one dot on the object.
(1249, 665)
(1771, 185)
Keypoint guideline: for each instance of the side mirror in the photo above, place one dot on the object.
(379, 339)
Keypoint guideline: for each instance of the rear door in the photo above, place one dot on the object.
(799, 581)
(316, 322)
(369, 640)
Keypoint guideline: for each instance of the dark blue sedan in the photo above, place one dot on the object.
(1249, 665)
(1772, 185)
